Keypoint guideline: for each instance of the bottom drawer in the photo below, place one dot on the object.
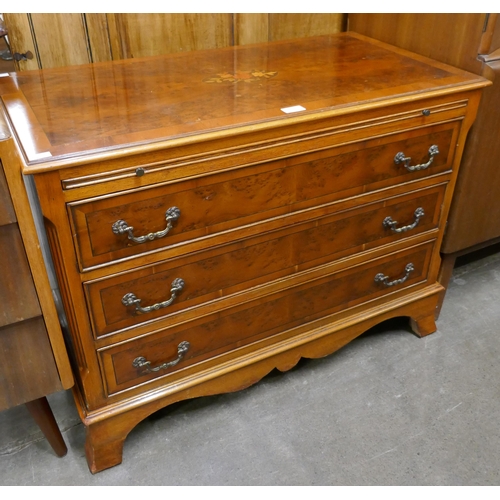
(165, 352)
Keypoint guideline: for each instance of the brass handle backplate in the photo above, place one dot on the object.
(391, 224)
(121, 227)
(402, 158)
(381, 278)
(129, 299)
(141, 362)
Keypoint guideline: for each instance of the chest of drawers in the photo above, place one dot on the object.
(217, 214)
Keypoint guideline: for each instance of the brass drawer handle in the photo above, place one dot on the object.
(401, 158)
(129, 299)
(389, 223)
(121, 227)
(380, 278)
(141, 362)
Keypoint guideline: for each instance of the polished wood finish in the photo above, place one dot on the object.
(58, 40)
(206, 108)
(277, 315)
(472, 42)
(280, 238)
(208, 274)
(212, 205)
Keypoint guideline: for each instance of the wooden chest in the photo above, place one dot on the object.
(217, 214)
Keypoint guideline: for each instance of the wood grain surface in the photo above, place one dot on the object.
(108, 105)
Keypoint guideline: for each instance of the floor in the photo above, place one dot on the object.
(387, 409)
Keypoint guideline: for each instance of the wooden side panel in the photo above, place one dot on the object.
(98, 34)
(27, 365)
(458, 39)
(451, 38)
(475, 209)
(490, 41)
(285, 26)
(61, 39)
(251, 28)
(53, 39)
(17, 293)
(30, 248)
(7, 214)
(67, 39)
(21, 39)
(495, 39)
(255, 28)
(140, 35)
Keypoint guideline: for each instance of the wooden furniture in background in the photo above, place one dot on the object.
(33, 358)
(216, 214)
(471, 42)
(65, 39)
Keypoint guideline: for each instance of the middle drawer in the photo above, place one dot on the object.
(169, 287)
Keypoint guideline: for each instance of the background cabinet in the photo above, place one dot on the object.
(67, 39)
(33, 358)
(471, 42)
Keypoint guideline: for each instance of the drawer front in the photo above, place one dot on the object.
(268, 316)
(228, 269)
(208, 206)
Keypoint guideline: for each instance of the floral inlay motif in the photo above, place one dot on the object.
(241, 76)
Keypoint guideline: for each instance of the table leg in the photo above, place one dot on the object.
(43, 416)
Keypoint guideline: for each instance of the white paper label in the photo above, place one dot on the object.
(293, 109)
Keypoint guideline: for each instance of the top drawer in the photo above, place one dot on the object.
(132, 223)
